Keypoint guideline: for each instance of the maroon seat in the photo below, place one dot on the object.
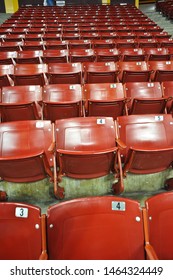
(80, 153)
(29, 56)
(145, 98)
(21, 103)
(55, 56)
(62, 101)
(28, 159)
(158, 223)
(104, 99)
(148, 140)
(75, 229)
(163, 70)
(5, 72)
(82, 55)
(22, 228)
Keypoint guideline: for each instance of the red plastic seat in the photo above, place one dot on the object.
(148, 140)
(158, 226)
(133, 71)
(145, 98)
(100, 72)
(104, 99)
(64, 73)
(55, 56)
(80, 44)
(20, 103)
(11, 46)
(30, 74)
(82, 55)
(107, 55)
(102, 44)
(85, 238)
(80, 153)
(62, 101)
(55, 44)
(7, 57)
(5, 72)
(22, 228)
(163, 70)
(167, 87)
(24, 152)
(32, 45)
(29, 56)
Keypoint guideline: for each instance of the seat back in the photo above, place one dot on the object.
(95, 228)
(20, 103)
(160, 225)
(28, 159)
(104, 99)
(62, 101)
(22, 231)
(148, 139)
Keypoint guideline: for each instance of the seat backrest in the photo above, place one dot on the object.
(104, 99)
(62, 101)
(30, 150)
(160, 224)
(95, 228)
(147, 138)
(21, 231)
(21, 103)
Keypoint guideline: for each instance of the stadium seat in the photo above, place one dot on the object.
(100, 72)
(148, 141)
(145, 98)
(167, 88)
(80, 153)
(104, 99)
(80, 44)
(163, 70)
(107, 55)
(158, 226)
(30, 74)
(29, 56)
(55, 56)
(133, 71)
(5, 72)
(21, 103)
(95, 228)
(7, 57)
(24, 151)
(82, 55)
(23, 235)
(64, 73)
(62, 101)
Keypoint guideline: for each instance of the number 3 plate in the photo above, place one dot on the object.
(21, 212)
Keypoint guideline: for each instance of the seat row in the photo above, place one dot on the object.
(86, 148)
(92, 228)
(85, 72)
(80, 51)
(61, 101)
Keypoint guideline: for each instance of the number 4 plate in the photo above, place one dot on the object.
(21, 212)
(118, 205)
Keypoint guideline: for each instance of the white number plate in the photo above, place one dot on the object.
(21, 212)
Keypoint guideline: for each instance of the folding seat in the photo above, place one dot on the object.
(107, 55)
(145, 98)
(111, 35)
(62, 101)
(126, 34)
(103, 44)
(33, 45)
(81, 155)
(55, 44)
(126, 43)
(51, 37)
(104, 99)
(21, 103)
(100, 72)
(89, 35)
(157, 53)
(33, 37)
(11, 46)
(55, 56)
(7, 57)
(130, 52)
(163, 70)
(5, 72)
(71, 36)
(147, 141)
(158, 226)
(28, 56)
(101, 228)
(30, 74)
(22, 227)
(14, 37)
(64, 73)
(82, 55)
(80, 44)
(133, 71)
(148, 43)
(25, 155)
(167, 87)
